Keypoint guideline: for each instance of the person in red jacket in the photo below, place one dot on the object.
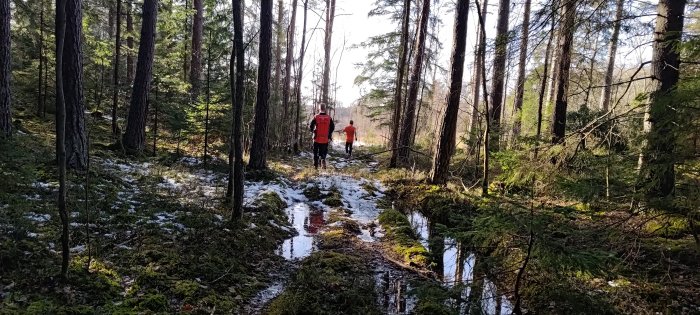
(350, 137)
(322, 127)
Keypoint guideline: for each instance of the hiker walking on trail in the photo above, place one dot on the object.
(350, 137)
(322, 126)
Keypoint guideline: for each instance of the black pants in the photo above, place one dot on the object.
(320, 151)
(348, 148)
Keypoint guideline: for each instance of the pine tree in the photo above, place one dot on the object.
(565, 47)
(76, 139)
(398, 87)
(258, 149)
(522, 61)
(196, 57)
(134, 139)
(612, 52)
(236, 174)
(499, 72)
(5, 70)
(448, 130)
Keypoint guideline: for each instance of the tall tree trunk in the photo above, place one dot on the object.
(656, 163)
(591, 72)
(406, 132)
(482, 56)
(5, 70)
(398, 87)
(302, 51)
(476, 84)
(258, 149)
(330, 16)
(276, 100)
(612, 52)
(60, 136)
(135, 135)
(155, 121)
(289, 59)
(115, 77)
(185, 50)
(129, 42)
(40, 95)
(76, 140)
(448, 130)
(196, 59)
(238, 54)
(499, 71)
(564, 65)
(543, 83)
(207, 101)
(520, 85)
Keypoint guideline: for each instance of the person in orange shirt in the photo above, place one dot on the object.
(350, 137)
(322, 127)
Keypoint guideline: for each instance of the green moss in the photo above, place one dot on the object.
(402, 240)
(334, 198)
(185, 288)
(313, 193)
(329, 283)
(269, 202)
(154, 302)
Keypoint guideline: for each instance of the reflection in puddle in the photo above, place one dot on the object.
(393, 290)
(458, 266)
(307, 222)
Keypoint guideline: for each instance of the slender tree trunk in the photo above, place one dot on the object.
(612, 52)
(499, 71)
(135, 135)
(478, 77)
(115, 77)
(75, 137)
(40, 95)
(562, 84)
(657, 161)
(238, 54)
(186, 50)
(448, 130)
(591, 72)
(543, 83)
(330, 16)
(5, 71)
(289, 59)
(208, 99)
(406, 132)
(276, 99)
(258, 149)
(522, 62)
(129, 42)
(196, 58)
(302, 47)
(485, 169)
(60, 137)
(398, 87)
(155, 121)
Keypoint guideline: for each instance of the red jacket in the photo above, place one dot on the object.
(322, 126)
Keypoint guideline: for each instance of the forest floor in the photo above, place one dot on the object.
(153, 237)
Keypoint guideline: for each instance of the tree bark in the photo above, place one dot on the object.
(499, 69)
(543, 83)
(330, 16)
(485, 169)
(564, 65)
(207, 101)
(129, 42)
(398, 87)
(258, 149)
(76, 140)
(40, 95)
(612, 52)
(5, 70)
(135, 135)
(115, 77)
(657, 161)
(289, 58)
(60, 137)
(302, 52)
(478, 77)
(522, 62)
(237, 54)
(196, 57)
(446, 140)
(406, 133)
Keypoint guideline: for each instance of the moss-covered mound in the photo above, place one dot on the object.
(329, 283)
(401, 239)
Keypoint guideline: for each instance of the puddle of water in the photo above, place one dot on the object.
(393, 290)
(459, 268)
(307, 222)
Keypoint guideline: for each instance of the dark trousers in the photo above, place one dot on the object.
(320, 152)
(348, 148)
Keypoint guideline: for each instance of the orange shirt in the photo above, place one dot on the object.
(349, 133)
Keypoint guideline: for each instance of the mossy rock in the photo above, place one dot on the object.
(269, 202)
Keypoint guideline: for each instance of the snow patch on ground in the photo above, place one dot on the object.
(38, 218)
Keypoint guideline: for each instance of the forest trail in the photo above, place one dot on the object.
(337, 198)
